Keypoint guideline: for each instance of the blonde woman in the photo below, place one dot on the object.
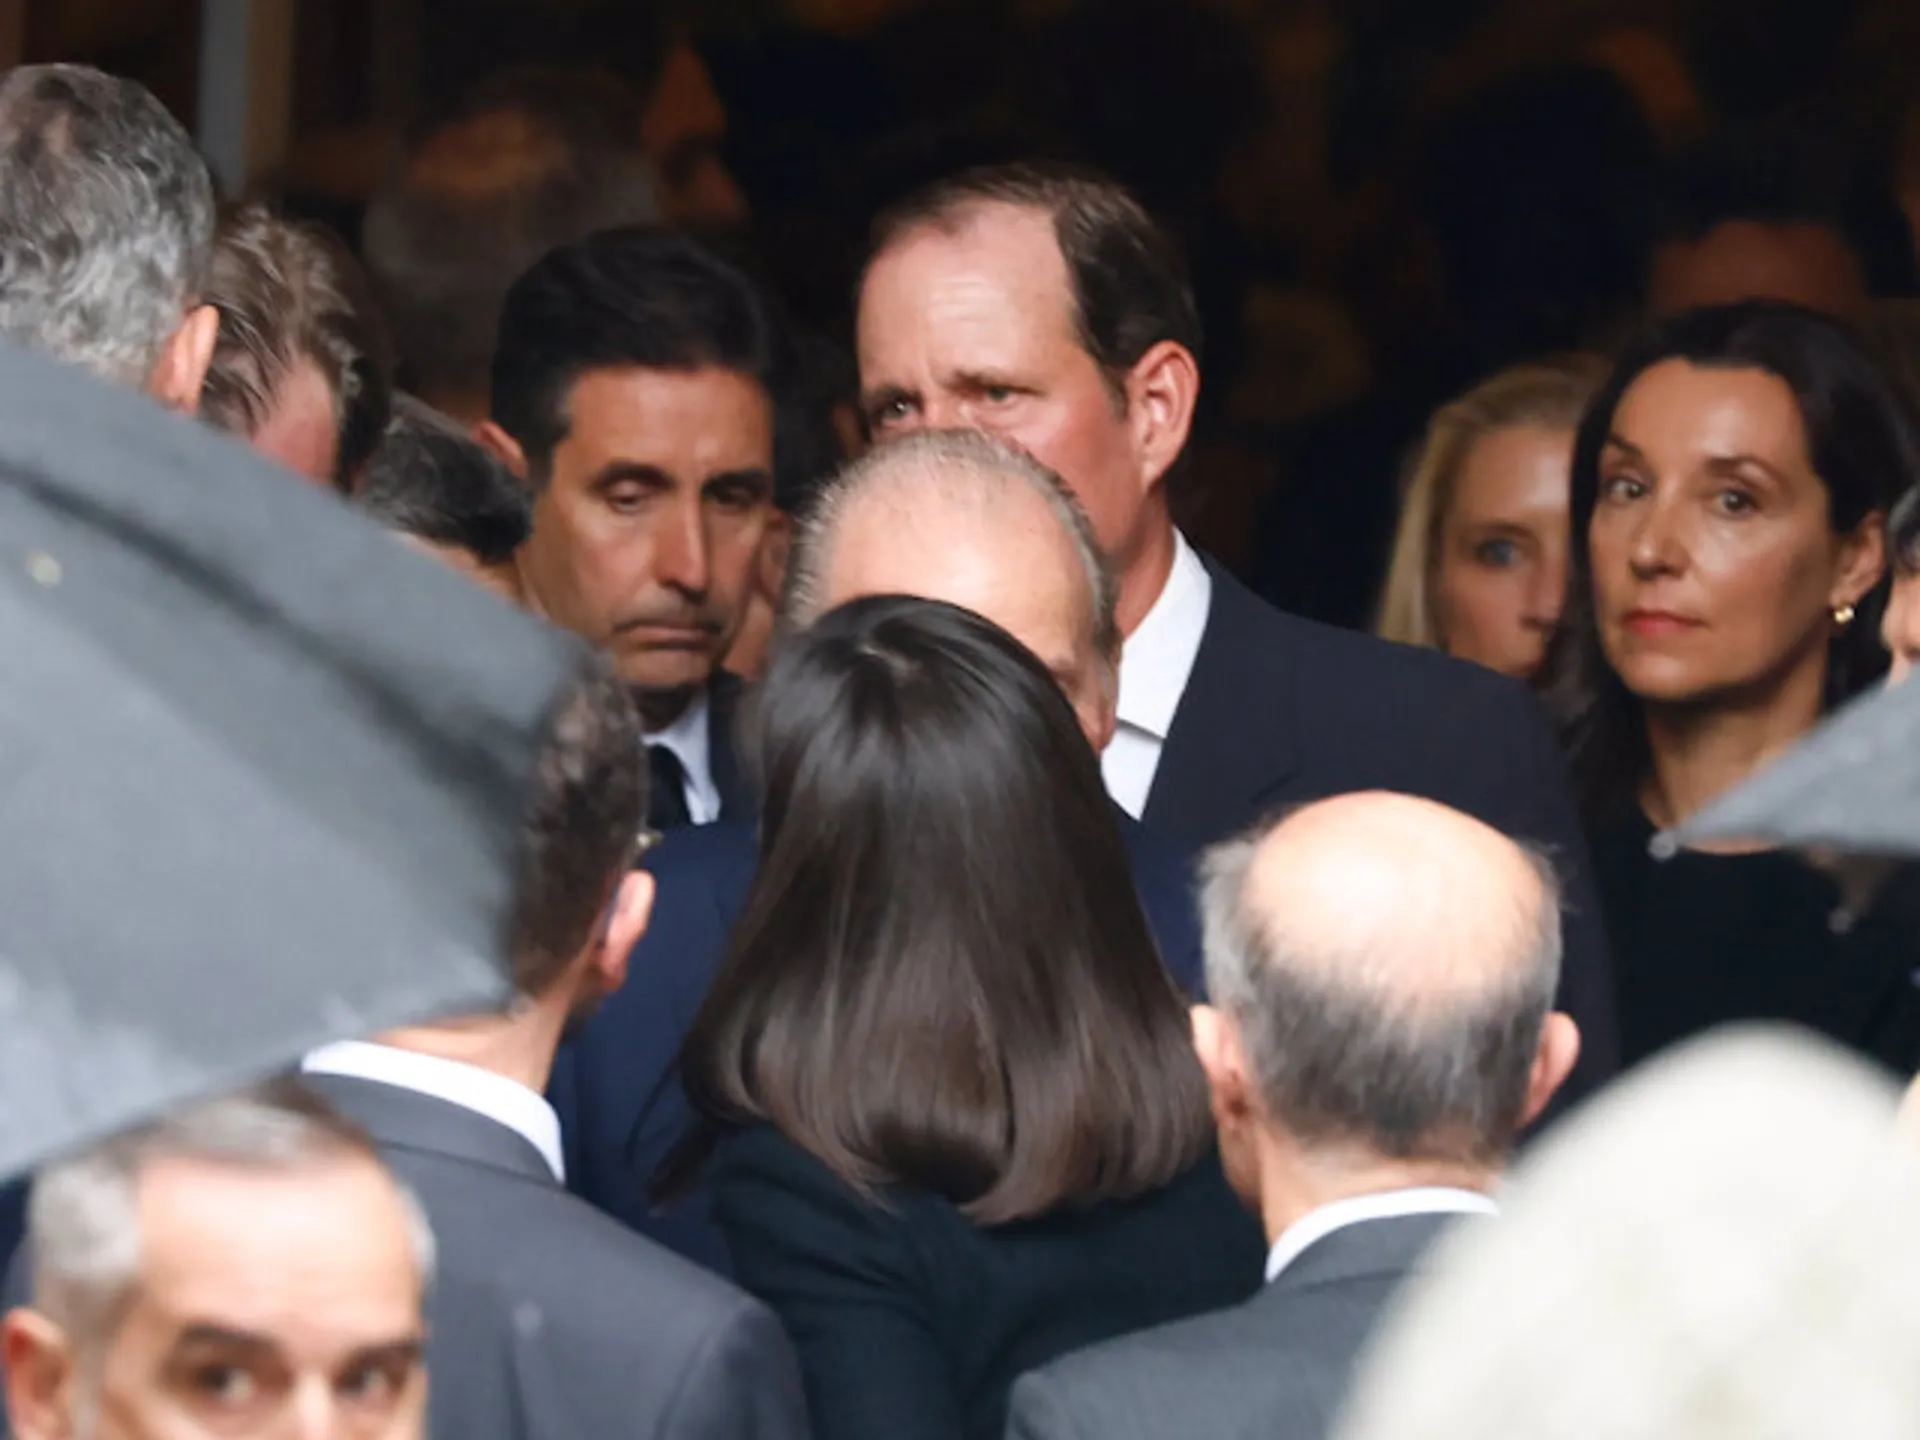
(1480, 558)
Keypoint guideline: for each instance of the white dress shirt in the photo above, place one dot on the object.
(1316, 1225)
(1155, 663)
(523, 1111)
(690, 740)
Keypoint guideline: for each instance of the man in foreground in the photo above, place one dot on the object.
(243, 1267)
(550, 1321)
(1382, 972)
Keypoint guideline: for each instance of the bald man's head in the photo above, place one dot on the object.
(957, 517)
(1389, 965)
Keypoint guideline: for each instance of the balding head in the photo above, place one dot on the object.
(958, 517)
(1389, 965)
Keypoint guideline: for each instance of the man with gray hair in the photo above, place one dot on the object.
(1382, 971)
(954, 516)
(243, 1266)
(106, 227)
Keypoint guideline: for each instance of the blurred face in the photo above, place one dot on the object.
(302, 431)
(975, 330)
(1503, 549)
(684, 133)
(1808, 264)
(268, 1305)
(1019, 571)
(645, 533)
(1900, 628)
(1715, 568)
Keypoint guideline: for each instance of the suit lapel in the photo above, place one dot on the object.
(1231, 744)
(737, 801)
(399, 1119)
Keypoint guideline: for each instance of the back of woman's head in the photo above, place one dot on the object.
(1860, 442)
(1550, 394)
(943, 978)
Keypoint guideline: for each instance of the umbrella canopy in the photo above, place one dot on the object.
(1852, 785)
(263, 770)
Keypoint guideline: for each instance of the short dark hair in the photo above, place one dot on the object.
(445, 237)
(1129, 282)
(643, 298)
(583, 828)
(432, 480)
(1861, 440)
(942, 978)
(1768, 178)
(106, 216)
(288, 293)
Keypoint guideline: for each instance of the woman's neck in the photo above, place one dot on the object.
(1698, 753)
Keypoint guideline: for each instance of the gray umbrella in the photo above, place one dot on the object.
(262, 769)
(1852, 785)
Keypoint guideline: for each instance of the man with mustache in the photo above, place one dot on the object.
(634, 389)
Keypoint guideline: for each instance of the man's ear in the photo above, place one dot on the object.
(1162, 389)
(40, 1376)
(1552, 1063)
(1216, 1040)
(180, 373)
(626, 921)
(770, 565)
(503, 447)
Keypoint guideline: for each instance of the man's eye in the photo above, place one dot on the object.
(228, 1386)
(996, 394)
(373, 1384)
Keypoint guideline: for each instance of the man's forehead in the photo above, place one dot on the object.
(1015, 244)
(944, 542)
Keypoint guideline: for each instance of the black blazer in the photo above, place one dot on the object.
(1279, 711)
(550, 1320)
(616, 1083)
(912, 1321)
(1275, 1368)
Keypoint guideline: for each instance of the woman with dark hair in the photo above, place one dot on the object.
(1730, 483)
(963, 1127)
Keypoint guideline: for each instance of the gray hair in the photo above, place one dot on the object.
(83, 1218)
(952, 464)
(106, 219)
(1341, 1060)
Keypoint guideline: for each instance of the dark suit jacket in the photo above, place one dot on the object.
(1275, 1368)
(737, 800)
(910, 1320)
(1279, 711)
(550, 1320)
(616, 1084)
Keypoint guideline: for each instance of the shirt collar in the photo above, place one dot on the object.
(1316, 1225)
(1158, 656)
(689, 739)
(523, 1111)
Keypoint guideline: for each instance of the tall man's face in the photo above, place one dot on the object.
(651, 515)
(972, 327)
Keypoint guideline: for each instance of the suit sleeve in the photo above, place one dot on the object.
(743, 1385)
(1531, 798)
(1038, 1412)
(843, 1278)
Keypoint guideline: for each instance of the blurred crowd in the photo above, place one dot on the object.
(1127, 727)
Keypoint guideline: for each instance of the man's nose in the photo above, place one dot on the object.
(680, 551)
